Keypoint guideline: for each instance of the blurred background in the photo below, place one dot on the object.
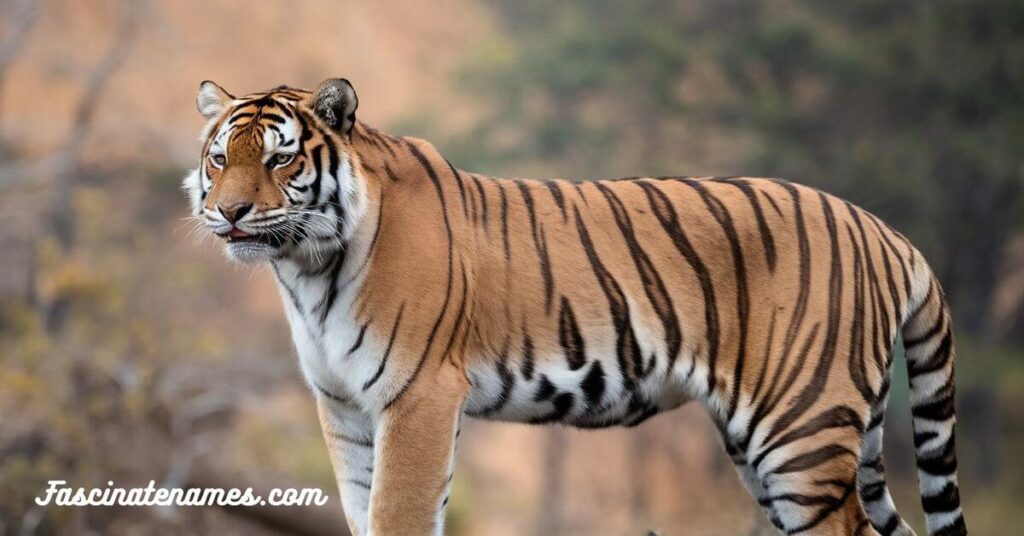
(131, 351)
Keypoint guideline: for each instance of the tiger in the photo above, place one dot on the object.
(418, 293)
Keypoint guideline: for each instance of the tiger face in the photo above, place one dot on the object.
(276, 176)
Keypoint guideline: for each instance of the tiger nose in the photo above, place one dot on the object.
(235, 211)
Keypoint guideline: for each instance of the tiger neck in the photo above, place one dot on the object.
(336, 270)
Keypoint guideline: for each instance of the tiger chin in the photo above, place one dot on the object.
(418, 293)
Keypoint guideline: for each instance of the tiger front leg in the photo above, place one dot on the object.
(414, 456)
(349, 433)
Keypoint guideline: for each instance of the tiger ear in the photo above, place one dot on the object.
(212, 100)
(334, 101)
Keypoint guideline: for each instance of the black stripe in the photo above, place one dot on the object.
(835, 417)
(724, 219)
(373, 242)
(508, 381)
(373, 141)
(593, 385)
(291, 292)
(798, 366)
(318, 168)
(579, 191)
(273, 118)
(483, 199)
(448, 291)
(462, 189)
(654, 286)
(927, 299)
(556, 194)
(331, 395)
(876, 420)
(872, 492)
(893, 292)
(545, 389)
(927, 336)
(368, 443)
(921, 438)
(640, 409)
(891, 525)
(669, 220)
(937, 361)
(774, 394)
(387, 351)
(799, 499)
(942, 409)
(359, 339)
(504, 223)
(773, 203)
(527, 366)
(306, 134)
(767, 240)
(240, 115)
(471, 203)
(815, 387)
(540, 242)
(956, 528)
(390, 172)
(812, 459)
(946, 500)
(359, 483)
(905, 270)
(941, 464)
(570, 338)
(627, 348)
(878, 309)
(325, 134)
(829, 504)
(765, 358)
(335, 199)
(805, 271)
(280, 135)
(332, 289)
(856, 363)
(385, 141)
(298, 171)
(460, 315)
(563, 403)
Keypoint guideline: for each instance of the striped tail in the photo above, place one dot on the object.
(928, 340)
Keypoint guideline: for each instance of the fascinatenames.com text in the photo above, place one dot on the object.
(60, 494)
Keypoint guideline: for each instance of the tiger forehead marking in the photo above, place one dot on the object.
(418, 293)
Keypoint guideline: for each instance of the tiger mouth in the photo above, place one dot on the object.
(238, 236)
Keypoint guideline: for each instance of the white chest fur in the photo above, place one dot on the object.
(337, 355)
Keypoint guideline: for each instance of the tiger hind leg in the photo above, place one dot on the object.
(753, 484)
(871, 484)
(815, 492)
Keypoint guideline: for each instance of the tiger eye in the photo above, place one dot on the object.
(283, 159)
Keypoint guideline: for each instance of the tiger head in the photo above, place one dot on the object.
(276, 176)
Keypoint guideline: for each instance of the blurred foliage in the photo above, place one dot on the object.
(98, 379)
